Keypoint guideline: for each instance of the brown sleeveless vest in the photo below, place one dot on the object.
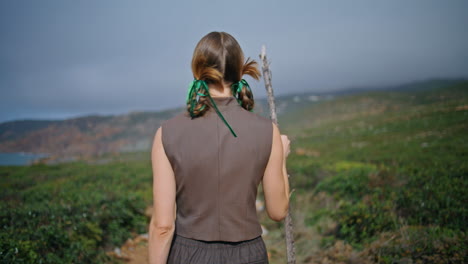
(217, 175)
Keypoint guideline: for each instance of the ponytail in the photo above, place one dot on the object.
(208, 74)
(244, 95)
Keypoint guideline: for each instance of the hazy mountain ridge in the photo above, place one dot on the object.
(95, 134)
(82, 135)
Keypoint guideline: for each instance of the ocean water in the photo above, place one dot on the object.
(18, 158)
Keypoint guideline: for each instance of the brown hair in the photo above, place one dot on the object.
(218, 57)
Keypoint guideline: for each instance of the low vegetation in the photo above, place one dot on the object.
(71, 213)
(388, 172)
(378, 177)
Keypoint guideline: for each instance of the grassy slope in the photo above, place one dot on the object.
(71, 212)
(380, 161)
(366, 168)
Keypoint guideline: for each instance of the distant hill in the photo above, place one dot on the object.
(87, 135)
(95, 134)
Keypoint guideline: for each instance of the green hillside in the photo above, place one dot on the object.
(378, 177)
(382, 167)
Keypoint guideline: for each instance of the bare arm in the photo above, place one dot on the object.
(162, 226)
(275, 180)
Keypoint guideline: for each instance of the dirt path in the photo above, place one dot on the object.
(134, 251)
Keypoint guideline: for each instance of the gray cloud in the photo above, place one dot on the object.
(60, 59)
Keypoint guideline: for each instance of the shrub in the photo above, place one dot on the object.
(437, 198)
(418, 244)
(360, 222)
(350, 181)
(70, 218)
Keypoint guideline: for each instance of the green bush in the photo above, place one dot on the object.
(71, 218)
(351, 180)
(420, 244)
(360, 222)
(437, 198)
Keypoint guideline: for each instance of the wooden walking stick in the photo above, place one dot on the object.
(288, 226)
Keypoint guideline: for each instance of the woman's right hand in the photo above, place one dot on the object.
(286, 148)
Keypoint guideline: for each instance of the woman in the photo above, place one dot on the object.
(209, 162)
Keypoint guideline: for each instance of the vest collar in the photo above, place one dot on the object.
(224, 102)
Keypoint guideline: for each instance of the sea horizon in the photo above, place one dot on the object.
(19, 158)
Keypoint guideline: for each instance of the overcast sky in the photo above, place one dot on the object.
(64, 58)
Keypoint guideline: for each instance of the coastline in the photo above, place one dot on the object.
(21, 158)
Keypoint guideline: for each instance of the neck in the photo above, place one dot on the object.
(220, 90)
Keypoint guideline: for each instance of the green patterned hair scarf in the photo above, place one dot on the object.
(197, 85)
(237, 89)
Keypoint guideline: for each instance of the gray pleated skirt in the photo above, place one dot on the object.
(190, 251)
